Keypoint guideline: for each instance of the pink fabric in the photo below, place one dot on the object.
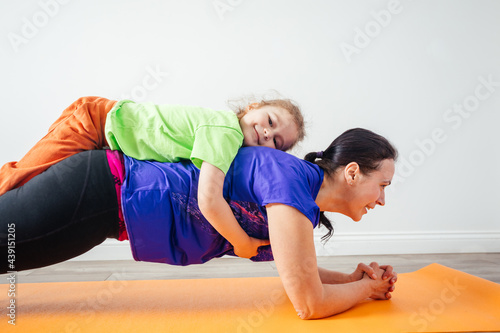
(115, 160)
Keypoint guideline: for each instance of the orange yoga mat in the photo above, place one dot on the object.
(433, 299)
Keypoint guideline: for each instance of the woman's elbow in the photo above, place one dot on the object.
(304, 314)
(310, 309)
(308, 313)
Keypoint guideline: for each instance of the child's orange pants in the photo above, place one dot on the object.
(79, 128)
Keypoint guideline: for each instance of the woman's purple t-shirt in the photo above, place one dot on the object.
(164, 223)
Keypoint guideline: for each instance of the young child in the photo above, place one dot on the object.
(209, 138)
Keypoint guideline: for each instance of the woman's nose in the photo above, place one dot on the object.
(266, 134)
(381, 199)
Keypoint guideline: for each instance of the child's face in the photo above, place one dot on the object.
(269, 126)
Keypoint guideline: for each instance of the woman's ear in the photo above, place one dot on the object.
(351, 173)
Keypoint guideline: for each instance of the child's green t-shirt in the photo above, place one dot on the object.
(169, 133)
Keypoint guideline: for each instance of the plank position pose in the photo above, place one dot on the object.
(75, 205)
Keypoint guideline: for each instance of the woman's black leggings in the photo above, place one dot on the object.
(59, 214)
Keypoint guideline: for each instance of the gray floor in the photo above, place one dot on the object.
(484, 265)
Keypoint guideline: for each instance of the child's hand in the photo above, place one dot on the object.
(250, 249)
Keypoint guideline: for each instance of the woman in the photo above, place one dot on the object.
(73, 206)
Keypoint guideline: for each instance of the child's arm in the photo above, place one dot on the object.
(216, 210)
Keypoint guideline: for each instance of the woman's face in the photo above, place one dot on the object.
(269, 126)
(368, 190)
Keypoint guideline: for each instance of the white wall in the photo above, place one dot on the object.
(401, 68)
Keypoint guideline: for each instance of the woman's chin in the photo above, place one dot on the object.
(360, 216)
(356, 218)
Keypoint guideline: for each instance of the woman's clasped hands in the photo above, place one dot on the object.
(381, 279)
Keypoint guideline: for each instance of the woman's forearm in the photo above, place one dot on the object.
(332, 277)
(338, 298)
